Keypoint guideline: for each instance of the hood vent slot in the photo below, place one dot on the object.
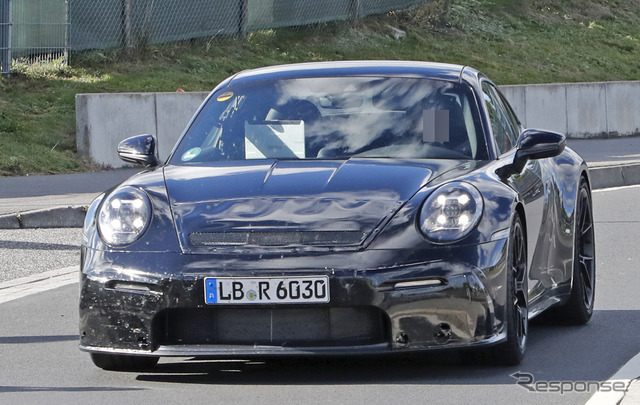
(277, 238)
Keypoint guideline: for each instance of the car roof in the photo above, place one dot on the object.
(431, 70)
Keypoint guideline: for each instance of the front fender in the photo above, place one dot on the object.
(161, 234)
(500, 201)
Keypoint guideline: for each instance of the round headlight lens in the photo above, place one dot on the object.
(124, 216)
(451, 212)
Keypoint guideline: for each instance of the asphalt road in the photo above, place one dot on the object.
(25, 252)
(41, 362)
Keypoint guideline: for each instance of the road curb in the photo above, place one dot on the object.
(614, 175)
(627, 376)
(58, 217)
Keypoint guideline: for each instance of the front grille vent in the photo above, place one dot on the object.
(279, 238)
(293, 327)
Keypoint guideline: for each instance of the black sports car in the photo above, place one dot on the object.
(339, 208)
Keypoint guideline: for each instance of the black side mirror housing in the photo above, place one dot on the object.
(534, 144)
(539, 144)
(139, 149)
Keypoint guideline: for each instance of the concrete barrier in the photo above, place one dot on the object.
(580, 110)
(103, 120)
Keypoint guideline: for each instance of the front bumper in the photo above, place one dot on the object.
(153, 304)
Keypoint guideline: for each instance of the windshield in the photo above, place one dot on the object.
(336, 118)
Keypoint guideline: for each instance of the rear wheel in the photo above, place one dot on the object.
(123, 362)
(512, 351)
(579, 307)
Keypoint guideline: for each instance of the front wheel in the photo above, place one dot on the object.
(511, 352)
(121, 362)
(579, 307)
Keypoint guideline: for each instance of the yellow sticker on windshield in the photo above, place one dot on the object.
(225, 96)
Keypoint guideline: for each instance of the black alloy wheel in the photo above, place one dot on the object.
(579, 308)
(512, 351)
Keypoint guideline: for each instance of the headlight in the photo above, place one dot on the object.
(124, 216)
(90, 218)
(451, 212)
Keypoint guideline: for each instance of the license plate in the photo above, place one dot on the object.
(266, 290)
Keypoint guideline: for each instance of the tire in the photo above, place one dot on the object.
(512, 351)
(579, 307)
(121, 362)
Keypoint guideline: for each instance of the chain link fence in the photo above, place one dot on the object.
(35, 30)
(97, 24)
(34, 33)
(100, 24)
(5, 36)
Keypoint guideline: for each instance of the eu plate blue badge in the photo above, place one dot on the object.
(210, 295)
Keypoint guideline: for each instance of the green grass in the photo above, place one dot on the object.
(513, 41)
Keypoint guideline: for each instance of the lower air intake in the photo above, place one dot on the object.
(291, 327)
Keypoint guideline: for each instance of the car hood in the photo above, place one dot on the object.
(291, 203)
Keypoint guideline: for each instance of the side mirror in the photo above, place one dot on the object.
(139, 149)
(534, 144)
(538, 144)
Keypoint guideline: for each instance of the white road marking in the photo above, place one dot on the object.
(603, 190)
(628, 373)
(48, 280)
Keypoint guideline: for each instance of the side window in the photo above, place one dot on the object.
(503, 125)
(515, 122)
